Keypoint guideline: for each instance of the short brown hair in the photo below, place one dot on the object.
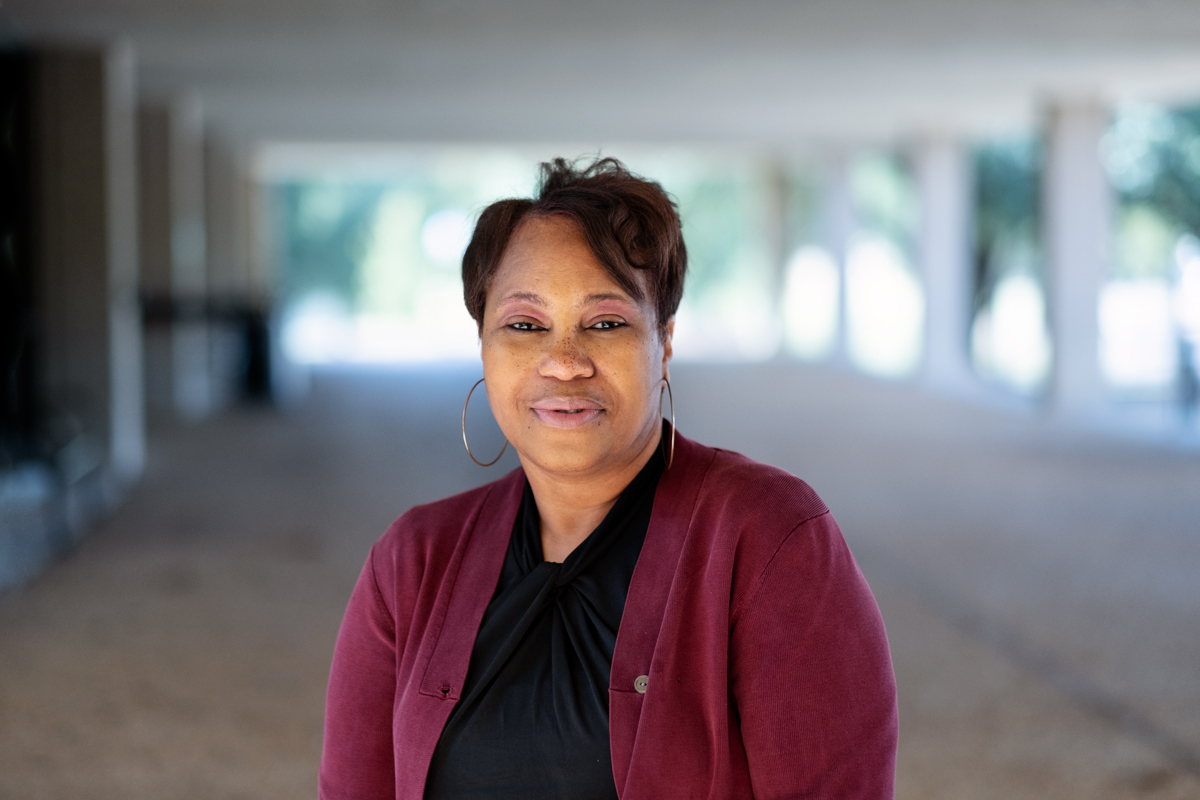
(630, 223)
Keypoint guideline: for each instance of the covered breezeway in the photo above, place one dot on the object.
(1038, 586)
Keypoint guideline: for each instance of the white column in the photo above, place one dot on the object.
(838, 224)
(1078, 209)
(776, 234)
(173, 234)
(227, 219)
(189, 263)
(86, 244)
(259, 243)
(944, 182)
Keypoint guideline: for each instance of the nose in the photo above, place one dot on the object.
(566, 359)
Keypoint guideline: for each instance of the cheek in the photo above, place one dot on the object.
(640, 373)
(505, 370)
(509, 351)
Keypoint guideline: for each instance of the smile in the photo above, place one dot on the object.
(567, 412)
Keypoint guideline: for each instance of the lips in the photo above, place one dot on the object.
(567, 412)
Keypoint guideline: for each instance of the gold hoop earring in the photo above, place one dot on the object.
(464, 430)
(671, 396)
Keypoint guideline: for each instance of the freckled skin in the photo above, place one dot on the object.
(557, 327)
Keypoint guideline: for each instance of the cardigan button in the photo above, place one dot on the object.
(640, 683)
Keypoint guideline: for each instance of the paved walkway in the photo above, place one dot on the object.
(1041, 589)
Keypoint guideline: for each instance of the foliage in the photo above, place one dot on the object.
(1007, 212)
(885, 199)
(322, 233)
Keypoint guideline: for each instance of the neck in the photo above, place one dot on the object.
(571, 507)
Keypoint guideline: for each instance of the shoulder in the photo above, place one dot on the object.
(756, 489)
(751, 511)
(739, 490)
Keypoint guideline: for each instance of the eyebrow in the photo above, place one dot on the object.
(596, 298)
(591, 298)
(530, 296)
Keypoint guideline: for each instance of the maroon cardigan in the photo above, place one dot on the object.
(769, 672)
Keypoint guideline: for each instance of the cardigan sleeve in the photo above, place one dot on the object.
(811, 675)
(357, 761)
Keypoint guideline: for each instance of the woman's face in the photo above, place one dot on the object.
(574, 365)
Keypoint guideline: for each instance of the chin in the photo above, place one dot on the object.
(568, 452)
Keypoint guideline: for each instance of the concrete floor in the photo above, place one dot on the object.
(1041, 588)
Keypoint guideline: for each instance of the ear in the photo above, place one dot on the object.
(667, 336)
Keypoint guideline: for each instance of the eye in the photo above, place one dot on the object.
(524, 326)
(608, 325)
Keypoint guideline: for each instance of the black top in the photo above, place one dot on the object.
(533, 718)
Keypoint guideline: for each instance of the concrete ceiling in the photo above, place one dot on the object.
(762, 71)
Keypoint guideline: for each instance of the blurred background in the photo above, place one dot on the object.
(944, 265)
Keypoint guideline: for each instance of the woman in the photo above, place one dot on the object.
(630, 614)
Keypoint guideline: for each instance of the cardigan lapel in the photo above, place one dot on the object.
(646, 602)
(651, 582)
(470, 588)
(462, 597)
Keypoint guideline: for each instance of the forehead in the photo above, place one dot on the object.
(551, 254)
